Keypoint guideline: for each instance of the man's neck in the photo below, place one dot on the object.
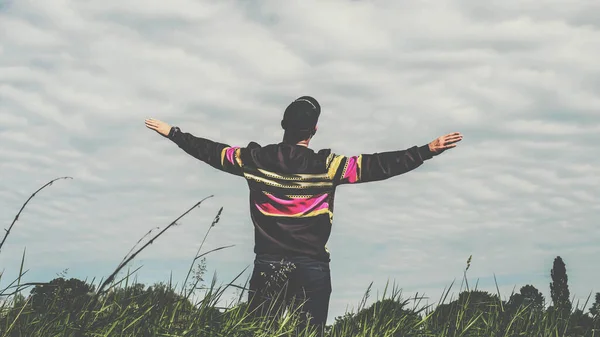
(300, 143)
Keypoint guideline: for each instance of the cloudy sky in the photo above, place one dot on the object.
(520, 80)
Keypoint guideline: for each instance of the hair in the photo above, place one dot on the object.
(296, 136)
(300, 120)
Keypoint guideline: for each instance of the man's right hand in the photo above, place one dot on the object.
(158, 126)
(444, 143)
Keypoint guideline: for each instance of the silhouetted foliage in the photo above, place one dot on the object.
(528, 296)
(595, 308)
(559, 287)
(580, 324)
(469, 305)
(60, 296)
(145, 305)
(385, 315)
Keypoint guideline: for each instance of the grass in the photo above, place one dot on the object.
(122, 307)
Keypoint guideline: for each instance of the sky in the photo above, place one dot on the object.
(519, 79)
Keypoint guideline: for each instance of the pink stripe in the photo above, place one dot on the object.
(352, 170)
(230, 153)
(293, 206)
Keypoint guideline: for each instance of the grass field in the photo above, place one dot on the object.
(118, 306)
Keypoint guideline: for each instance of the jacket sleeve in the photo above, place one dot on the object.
(220, 156)
(378, 166)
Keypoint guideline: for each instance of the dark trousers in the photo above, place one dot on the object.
(279, 281)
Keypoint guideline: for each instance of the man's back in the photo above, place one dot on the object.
(291, 198)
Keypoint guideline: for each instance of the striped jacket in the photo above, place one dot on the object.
(292, 188)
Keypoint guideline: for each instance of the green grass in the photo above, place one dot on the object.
(118, 306)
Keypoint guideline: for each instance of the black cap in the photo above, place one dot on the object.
(302, 114)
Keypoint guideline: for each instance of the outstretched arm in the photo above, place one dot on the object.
(220, 156)
(380, 166)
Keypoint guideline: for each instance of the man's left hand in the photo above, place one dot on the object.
(444, 143)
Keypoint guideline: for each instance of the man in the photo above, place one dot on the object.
(292, 191)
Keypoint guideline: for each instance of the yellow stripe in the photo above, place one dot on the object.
(236, 155)
(335, 164)
(345, 168)
(305, 196)
(223, 156)
(359, 163)
(297, 185)
(299, 215)
(329, 158)
(293, 176)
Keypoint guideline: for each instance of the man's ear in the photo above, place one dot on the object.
(315, 130)
(282, 124)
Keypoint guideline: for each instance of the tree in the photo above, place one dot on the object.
(528, 296)
(595, 309)
(60, 296)
(580, 324)
(386, 313)
(459, 313)
(532, 297)
(147, 310)
(126, 296)
(559, 287)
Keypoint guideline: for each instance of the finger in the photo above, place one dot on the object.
(449, 146)
(453, 135)
(453, 139)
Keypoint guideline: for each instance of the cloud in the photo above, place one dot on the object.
(519, 79)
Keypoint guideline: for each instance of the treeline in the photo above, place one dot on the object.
(481, 313)
(56, 309)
